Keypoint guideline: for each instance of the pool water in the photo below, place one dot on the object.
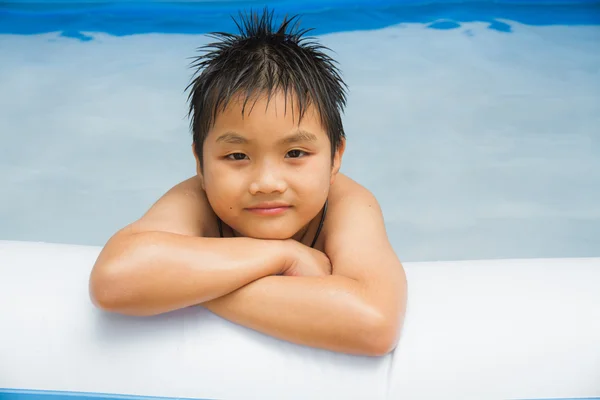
(477, 127)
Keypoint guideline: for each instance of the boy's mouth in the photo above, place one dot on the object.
(269, 208)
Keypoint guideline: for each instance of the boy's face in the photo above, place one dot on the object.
(265, 175)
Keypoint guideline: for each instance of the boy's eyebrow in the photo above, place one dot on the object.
(299, 136)
(232, 137)
(296, 137)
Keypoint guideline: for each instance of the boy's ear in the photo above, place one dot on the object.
(337, 160)
(198, 166)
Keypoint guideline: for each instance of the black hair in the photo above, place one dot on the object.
(263, 59)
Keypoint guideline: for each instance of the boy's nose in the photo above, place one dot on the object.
(267, 181)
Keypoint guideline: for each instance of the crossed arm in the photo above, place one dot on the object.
(358, 309)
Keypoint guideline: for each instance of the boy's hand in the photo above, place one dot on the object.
(301, 260)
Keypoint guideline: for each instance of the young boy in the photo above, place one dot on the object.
(268, 234)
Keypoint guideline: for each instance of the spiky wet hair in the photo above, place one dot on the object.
(260, 60)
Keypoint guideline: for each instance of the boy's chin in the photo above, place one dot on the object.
(269, 234)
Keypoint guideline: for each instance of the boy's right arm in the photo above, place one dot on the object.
(163, 262)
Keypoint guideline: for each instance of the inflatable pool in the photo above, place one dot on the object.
(497, 329)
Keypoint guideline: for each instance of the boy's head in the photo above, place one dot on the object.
(266, 120)
(261, 60)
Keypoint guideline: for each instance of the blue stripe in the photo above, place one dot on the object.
(137, 17)
(24, 394)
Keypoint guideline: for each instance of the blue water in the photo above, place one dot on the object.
(474, 124)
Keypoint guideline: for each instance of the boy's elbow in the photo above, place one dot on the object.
(107, 288)
(103, 290)
(102, 300)
(108, 294)
(385, 340)
(383, 346)
(382, 337)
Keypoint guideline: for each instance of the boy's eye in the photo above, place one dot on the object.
(295, 153)
(236, 156)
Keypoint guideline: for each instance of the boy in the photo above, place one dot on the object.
(268, 234)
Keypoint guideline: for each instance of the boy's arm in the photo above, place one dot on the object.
(159, 263)
(359, 309)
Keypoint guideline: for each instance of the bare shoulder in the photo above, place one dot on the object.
(345, 187)
(183, 209)
(354, 216)
(346, 195)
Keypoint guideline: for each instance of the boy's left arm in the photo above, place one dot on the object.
(359, 309)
